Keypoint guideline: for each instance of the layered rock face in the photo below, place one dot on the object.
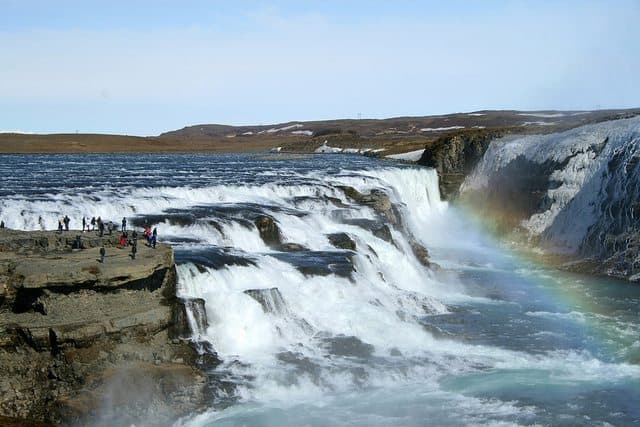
(575, 193)
(84, 342)
(455, 155)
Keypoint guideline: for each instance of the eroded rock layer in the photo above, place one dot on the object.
(85, 342)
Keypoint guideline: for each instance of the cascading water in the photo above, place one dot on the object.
(322, 305)
(588, 176)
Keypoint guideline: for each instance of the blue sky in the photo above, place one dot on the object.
(144, 67)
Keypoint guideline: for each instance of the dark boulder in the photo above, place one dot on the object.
(421, 253)
(349, 346)
(377, 228)
(269, 231)
(319, 263)
(213, 257)
(377, 200)
(292, 247)
(342, 241)
(383, 232)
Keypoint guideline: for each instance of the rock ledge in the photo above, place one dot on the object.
(84, 342)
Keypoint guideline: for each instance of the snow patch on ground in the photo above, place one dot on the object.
(297, 125)
(282, 129)
(441, 129)
(302, 132)
(543, 115)
(411, 156)
(538, 123)
(476, 114)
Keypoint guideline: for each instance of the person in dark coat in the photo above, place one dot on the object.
(93, 223)
(60, 226)
(134, 250)
(124, 224)
(1, 224)
(154, 237)
(66, 220)
(100, 226)
(102, 253)
(84, 223)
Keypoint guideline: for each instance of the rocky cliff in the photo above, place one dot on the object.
(574, 193)
(455, 155)
(84, 342)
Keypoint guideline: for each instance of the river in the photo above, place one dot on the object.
(355, 337)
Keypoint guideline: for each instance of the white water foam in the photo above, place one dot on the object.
(380, 304)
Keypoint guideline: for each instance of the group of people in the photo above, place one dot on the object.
(97, 223)
(66, 220)
(90, 225)
(125, 240)
(63, 225)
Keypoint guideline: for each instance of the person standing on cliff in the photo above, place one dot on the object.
(134, 250)
(1, 224)
(84, 223)
(154, 237)
(60, 226)
(100, 226)
(66, 220)
(41, 222)
(124, 224)
(102, 253)
(93, 223)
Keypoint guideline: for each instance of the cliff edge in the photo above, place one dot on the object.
(84, 342)
(575, 194)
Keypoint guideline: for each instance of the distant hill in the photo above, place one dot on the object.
(394, 135)
(405, 126)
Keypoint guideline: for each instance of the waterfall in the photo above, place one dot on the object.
(580, 185)
(319, 300)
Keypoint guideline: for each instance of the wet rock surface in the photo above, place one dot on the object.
(574, 194)
(377, 200)
(455, 155)
(84, 342)
(319, 263)
(342, 241)
(349, 346)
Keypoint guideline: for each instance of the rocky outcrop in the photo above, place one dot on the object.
(421, 253)
(269, 231)
(574, 193)
(84, 342)
(342, 241)
(272, 237)
(455, 155)
(377, 200)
